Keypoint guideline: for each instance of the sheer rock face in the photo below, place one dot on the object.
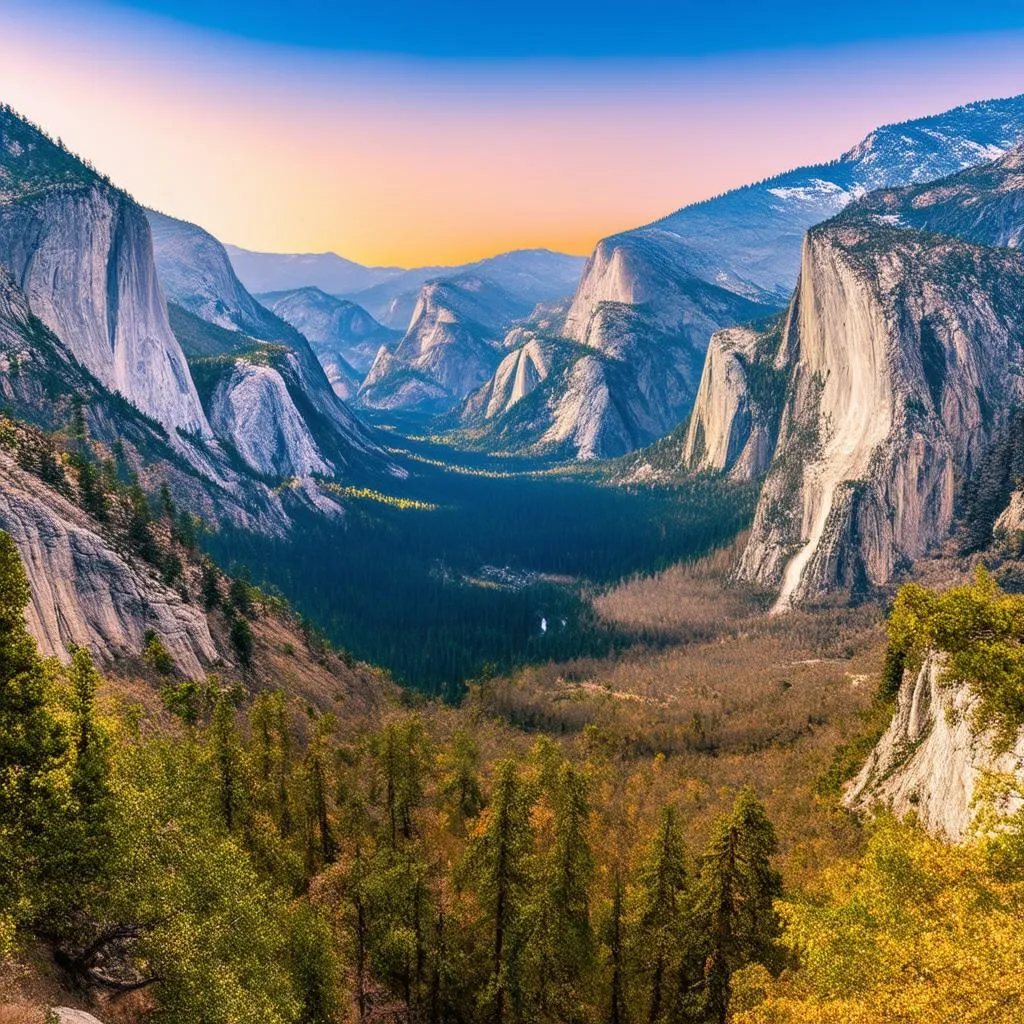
(930, 760)
(735, 417)
(84, 592)
(645, 308)
(82, 254)
(252, 407)
(518, 375)
(197, 275)
(906, 350)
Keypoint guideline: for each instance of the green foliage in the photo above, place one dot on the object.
(210, 585)
(92, 491)
(978, 629)
(314, 967)
(498, 862)
(660, 912)
(32, 744)
(733, 908)
(436, 618)
(242, 640)
(155, 653)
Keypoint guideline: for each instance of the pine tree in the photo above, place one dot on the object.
(226, 752)
(403, 756)
(91, 491)
(242, 641)
(562, 944)
(210, 585)
(662, 891)
(498, 857)
(321, 846)
(733, 913)
(32, 743)
(614, 940)
(461, 781)
(272, 743)
(140, 519)
(313, 967)
(79, 858)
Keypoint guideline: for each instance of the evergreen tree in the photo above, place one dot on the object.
(313, 967)
(498, 858)
(139, 525)
(242, 640)
(92, 493)
(614, 940)
(321, 845)
(272, 746)
(562, 944)
(31, 743)
(662, 892)
(403, 757)
(226, 753)
(210, 585)
(733, 912)
(461, 780)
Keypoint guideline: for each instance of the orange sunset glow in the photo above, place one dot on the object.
(402, 161)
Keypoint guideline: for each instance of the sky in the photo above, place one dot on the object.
(412, 133)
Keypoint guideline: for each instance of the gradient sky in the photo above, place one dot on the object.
(411, 133)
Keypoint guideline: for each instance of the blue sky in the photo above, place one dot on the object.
(598, 28)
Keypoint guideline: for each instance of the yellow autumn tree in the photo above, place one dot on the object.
(916, 931)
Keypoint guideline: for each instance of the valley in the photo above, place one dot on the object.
(533, 640)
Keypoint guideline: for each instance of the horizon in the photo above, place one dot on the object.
(445, 154)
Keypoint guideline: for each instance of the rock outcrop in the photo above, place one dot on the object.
(197, 275)
(648, 309)
(906, 352)
(67, 1015)
(86, 593)
(930, 760)
(735, 417)
(345, 338)
(526, 367)
(452, 347)
(252, 406)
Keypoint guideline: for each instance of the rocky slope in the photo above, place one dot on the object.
(930, 760)
(197, 275)
(262, 387)
(548, 398)
(660, 288)
(345, 338)
(84, 592)
(451, 348)
(983, 204)
(80, 250)
(906, 353)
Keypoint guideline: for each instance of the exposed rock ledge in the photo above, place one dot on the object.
(930, 760)
(85, 593)
(66, 1015)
